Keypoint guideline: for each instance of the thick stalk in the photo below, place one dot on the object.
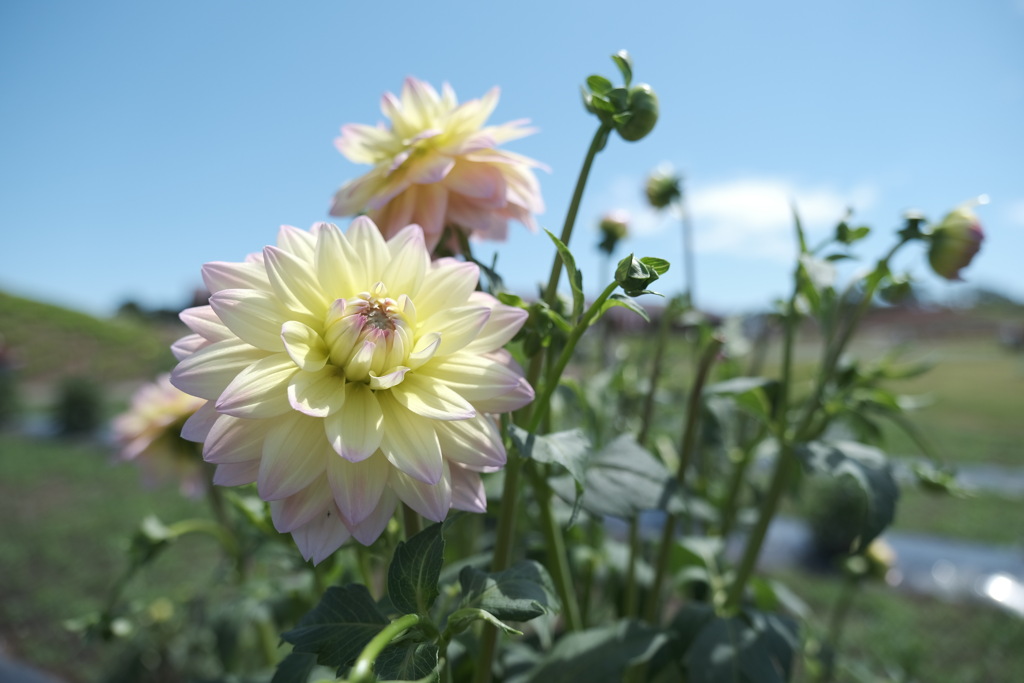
(510, 493)
(557, 554)
(689, 273)
(647, 415)
(687, 448)
(362, 671)
(411, 521)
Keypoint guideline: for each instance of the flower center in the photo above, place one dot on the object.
(369, 335)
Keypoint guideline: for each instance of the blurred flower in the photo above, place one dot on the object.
(614, 226)
(345, 374)
(437, 166)
(663, 186)
(149, 434)
(954, 242)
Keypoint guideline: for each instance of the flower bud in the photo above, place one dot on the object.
(954, 242)
(614, 226)
(641, 113)
(663, 187)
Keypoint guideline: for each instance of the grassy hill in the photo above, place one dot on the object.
(49, 342)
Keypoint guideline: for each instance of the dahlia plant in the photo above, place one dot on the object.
(350, 383)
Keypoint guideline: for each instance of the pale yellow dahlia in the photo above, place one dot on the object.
(436, 165)
(149, 434)
(345, 374)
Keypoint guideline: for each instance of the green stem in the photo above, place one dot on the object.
(689, 272)
(411, 521)
(510, 492)
(687, 449)
(652, 386)
(362, 671)
(630, 607)
(596, 145)
(556, 552)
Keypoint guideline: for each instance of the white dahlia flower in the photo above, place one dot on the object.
(345, 374)
(436, 165)
(149, 434)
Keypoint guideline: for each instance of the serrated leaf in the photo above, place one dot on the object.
(756, 647)
(522, 592)
(339, 627)
(575, 276)
(869, 468)
(627, 650)
(415, 569)
(406, 661)
(625, 64)
(295, 668)
(599, 84)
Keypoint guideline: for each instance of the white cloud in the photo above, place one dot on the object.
(753, 216)
(1014, 213)
(749, 217)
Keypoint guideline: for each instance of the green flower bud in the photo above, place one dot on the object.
(663, 187)
(954, 242)
(614, 226)
(641, 114)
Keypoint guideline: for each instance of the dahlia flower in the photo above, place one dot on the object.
(345, 374)
(148, 434)
(436, 165)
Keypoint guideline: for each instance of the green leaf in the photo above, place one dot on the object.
(522, 592)
(625, 64)
(295, 668)
(658, 265)
(414, 571)
(869, 468)
(756, 647)
(339, 627)
(569, 449)
(623, 478)
(575, 276)
(798, 226)
(627, 650)
(620, 299)
(752, 394)
(460, 620)
(599, 85)
(406, 661)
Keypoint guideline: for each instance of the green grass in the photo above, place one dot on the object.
(50, 342)
(67, 512)
(928, 640)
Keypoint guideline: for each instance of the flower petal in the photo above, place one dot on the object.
(468, 490)
(203, 321)
(253, 315)
(409, 441)
(197, 427)
(475, 443)
(370, 529)
(236, 473)
(317, 394)
(337, 269)
(218, 275)
(502, 325)
(294, 454)
(458, 326)
(295, 284)
(409, 262)
(430, 500)
(288, 514)
(355, 432)
(370, 249)
(448, 283)
(321, 536)
(260, 390)
(209, 370)
(304, 346)
(234, 440)
(432, 399)
(357, 487)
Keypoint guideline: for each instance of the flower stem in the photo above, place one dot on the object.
(689, 441)
(786, 462)
(362, 671)
(411, 521)
(600, 137)
(556, 552)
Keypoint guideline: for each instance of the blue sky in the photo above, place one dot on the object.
(141, 139)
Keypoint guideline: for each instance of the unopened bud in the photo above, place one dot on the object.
(954, 242)
(614, 226)
(663, 187)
